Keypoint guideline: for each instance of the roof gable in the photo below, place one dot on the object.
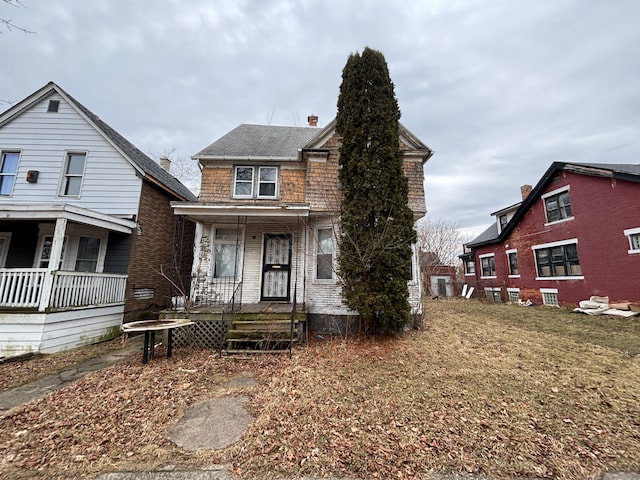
(140, 161)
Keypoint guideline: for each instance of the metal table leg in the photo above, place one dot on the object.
(145, 349)
(169, 342)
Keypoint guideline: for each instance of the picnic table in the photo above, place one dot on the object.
(150, 327)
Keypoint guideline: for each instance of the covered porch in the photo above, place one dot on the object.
(63, 276)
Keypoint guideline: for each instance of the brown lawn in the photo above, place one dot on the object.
(497, 390)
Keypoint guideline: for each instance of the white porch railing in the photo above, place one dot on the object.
(71, 289)
(25, 288)
(21, 288)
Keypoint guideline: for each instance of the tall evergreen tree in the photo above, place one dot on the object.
(376, 223)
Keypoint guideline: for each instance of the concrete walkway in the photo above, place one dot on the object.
(45, 385)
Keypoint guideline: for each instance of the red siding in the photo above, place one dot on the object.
(602, 209)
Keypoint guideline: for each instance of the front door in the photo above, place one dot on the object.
(276, 267)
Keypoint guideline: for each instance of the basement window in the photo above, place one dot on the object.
(550, 297)
(493, 294)
(514, 295)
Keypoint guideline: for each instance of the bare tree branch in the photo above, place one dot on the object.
(8, 23)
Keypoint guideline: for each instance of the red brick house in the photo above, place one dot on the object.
(85, 223)
(574, 235)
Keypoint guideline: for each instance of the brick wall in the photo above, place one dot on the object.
(151, 249)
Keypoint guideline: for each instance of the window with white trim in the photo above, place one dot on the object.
(557, 206)
(5, 240)
(226, 252)
(633, 234)
(324, 254)
(558, 260)
(512, 263)
(255, 182)
(549, 296)
(469, 267)
(46, 243)
(8, 169)
(73, 174)
(88, 254)
(514, 295)
(493, 293)
(488, 265)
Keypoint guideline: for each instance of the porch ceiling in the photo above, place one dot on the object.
(209, 212)
(70, 212)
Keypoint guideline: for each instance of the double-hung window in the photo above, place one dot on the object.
(488, 264)
(469, 267)
(324, 254)
(8, 170)
(557, 206)
(73, 173)
(226, 252)
(88, 254)
(255, 182)
(45, 252)
(512, 260)
(633, 234)
(558, 259)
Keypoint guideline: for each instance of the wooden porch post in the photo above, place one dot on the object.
(54, 262)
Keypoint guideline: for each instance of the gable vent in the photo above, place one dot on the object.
(53, 105)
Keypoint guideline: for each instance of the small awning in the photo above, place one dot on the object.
(34, 211)
(207, 212)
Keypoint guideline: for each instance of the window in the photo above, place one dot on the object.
(88, 253)
(469, 267)
(5, 239)
(73, 172)
(324, 254)
(503, 221)
(45, 252)
(633, 234)
(549, 296)
(246, 183)
(558, 260)
(487, 262)
(8, 171)
(514, 295)
(557, 206)
(493, 294)
(226, 257)
(512, 260)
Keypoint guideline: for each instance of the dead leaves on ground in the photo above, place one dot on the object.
(468, 395)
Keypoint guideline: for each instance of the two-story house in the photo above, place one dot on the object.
(267, 219)
(85, 226)
(576, 234)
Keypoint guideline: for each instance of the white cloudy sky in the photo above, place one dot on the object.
(498, 88)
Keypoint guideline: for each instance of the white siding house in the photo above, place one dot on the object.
(70, 195)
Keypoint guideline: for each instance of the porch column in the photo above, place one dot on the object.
(54, 262)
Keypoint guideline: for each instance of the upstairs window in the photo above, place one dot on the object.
(633, 234)
(324, 255)
(557, 206)
(8, 171)
(503, 221)
(255, 182)
(488, 265)
(73, 173)
(558, 260)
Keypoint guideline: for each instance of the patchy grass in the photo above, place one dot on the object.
(496, 390)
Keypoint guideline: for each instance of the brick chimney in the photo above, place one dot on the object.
(165, 163)
(313, 120)
(525, 190)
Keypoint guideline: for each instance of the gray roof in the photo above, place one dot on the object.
(260, 141)
(625, 168)
(148, 166)
(491, 233)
